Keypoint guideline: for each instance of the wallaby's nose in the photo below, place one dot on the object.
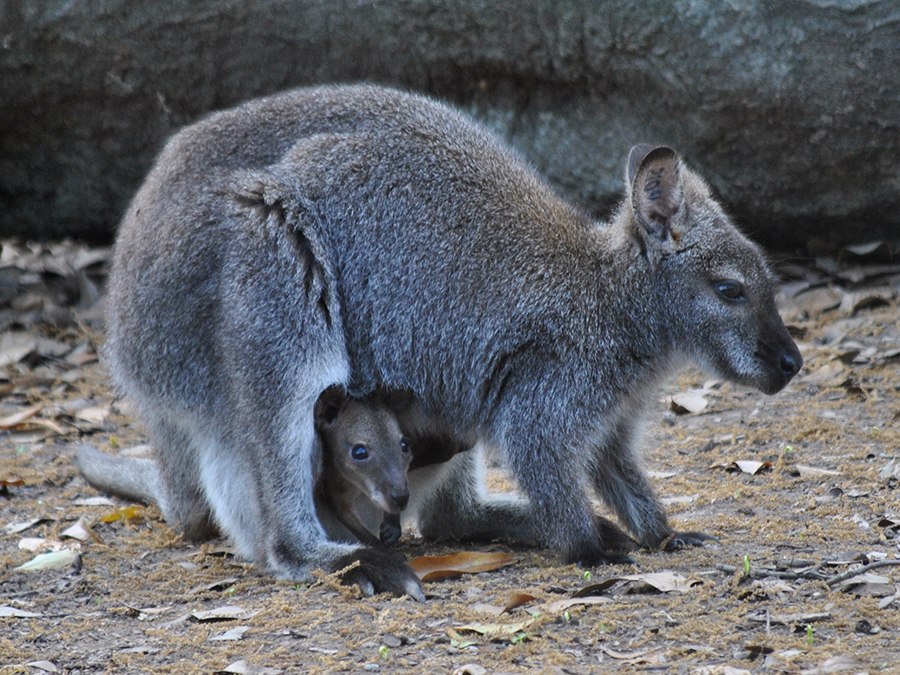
(790, 364)
(401, 499)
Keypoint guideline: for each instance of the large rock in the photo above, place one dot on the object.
(791, 109)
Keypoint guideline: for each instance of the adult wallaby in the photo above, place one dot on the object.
(364, 464)
(364, 237)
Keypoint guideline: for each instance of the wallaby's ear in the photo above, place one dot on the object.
(656, 193)
(330, 404)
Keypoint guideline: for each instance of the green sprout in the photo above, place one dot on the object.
(567, 617)
(519, 638)
(383, 651)
(746, 564)
(809, 635)
(587, 575)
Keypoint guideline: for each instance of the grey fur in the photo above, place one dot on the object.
(359, 236)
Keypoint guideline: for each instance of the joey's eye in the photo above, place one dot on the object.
(405, 447)
(730, 290)
(359, 453)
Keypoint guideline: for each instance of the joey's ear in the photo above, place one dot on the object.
(656, 193)
(330, 404)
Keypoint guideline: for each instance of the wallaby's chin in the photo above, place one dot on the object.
(768, 376)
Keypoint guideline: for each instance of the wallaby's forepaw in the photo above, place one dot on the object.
(380, 570)
(679, 540)
(389, 533)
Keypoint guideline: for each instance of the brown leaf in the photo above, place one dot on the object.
(516, 600)
(429, 568)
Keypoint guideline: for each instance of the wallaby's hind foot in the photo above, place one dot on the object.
(380, 570)
(680, 540)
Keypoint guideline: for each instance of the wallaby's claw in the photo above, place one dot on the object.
(380, 570)
(680, 540)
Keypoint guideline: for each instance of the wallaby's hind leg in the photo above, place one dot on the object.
(181, 496)
(620, 480)
(451, 501)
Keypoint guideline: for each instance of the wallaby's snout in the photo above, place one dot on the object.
(791, 362)
(784, 362)
(400, 498)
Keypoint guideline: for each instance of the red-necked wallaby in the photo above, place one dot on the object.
(364, 237)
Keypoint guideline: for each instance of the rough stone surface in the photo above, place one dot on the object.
(791, 109)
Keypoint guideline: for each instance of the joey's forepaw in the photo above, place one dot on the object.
(679, 540)
(389, 534)
(380, 570)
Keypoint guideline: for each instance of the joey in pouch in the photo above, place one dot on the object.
(362, 237)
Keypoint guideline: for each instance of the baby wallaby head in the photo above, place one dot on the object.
(714, 290)
(364, 447)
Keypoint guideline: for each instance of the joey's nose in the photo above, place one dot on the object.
(401, 499)
(790, 364)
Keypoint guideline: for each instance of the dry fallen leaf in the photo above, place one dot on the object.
(429, 568)
(46, 666)
(94, 501)
(231, 635)
(95, 414)
(53, 560)
(663, 582)
(493, 631)
(836, 664)
(16, 528)
(244, 668)
(691, 401)
(15, 346)
(470, 669)
(33, 544)
(517, 600)
(14, 612)
(20, 417)
(751, 466)
(812, 472)
(225, 613)
(81, 531)
(123, 514)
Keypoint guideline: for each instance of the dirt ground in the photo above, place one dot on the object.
(824, 502)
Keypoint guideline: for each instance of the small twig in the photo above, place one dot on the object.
(843, 576)
(333, 581)
(759, 573)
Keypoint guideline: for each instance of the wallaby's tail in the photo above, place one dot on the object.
(127, 477)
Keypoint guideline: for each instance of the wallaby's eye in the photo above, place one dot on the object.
(405, 447)
(359, 452)
(730, 290)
